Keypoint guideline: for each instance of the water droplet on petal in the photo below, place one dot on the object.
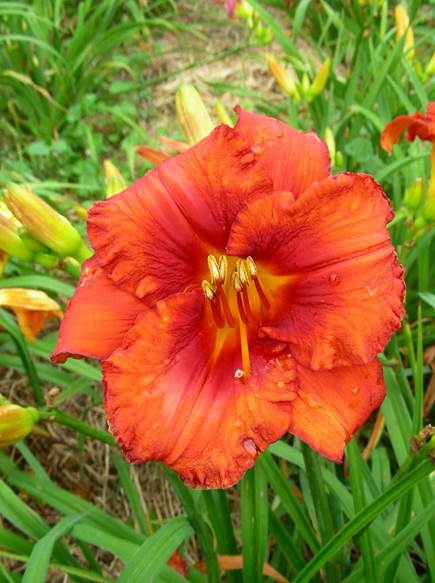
(334, 279)
(257, 148)
(154, 426)
(372, 290)
(250, 447)
(355, 390)
(237, 424)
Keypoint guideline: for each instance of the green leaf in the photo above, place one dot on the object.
(152, 556)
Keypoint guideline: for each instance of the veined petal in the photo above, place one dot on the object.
(213, 180)
(338, 285)
(144, 243)
(421, 125)
(332, 405)
(97, 317)
(171, 396)
(153, 239)
(293, 159)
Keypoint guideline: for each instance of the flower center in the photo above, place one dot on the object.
(236, 299)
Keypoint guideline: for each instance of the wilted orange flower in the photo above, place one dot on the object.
(238, 292)
(417, 125)
(33, 309)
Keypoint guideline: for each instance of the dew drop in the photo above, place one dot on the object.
(237, 424)
(257, 148)
(154, 426)
(250, 447)
(334, 279)
(355, 390)
(372, 290)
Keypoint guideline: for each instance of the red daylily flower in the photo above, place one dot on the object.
(238, 292)
(417, 125)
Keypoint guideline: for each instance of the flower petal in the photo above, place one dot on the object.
(169, 396)
(153, 239)
(144, 243)
(421, 125)
(293, 159)
(341, 291)
(97, 317)
(331, 405)
(213, 180)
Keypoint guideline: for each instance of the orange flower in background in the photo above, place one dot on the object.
(32, 308)
(237, 292)
(417, 125)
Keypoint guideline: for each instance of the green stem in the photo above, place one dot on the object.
(80, 426)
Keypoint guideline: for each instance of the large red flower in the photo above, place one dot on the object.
(417, 125)
(238, 292)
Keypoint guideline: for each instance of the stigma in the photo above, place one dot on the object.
(236, 299)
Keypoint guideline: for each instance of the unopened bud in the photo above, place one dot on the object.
(282, 76)
(114, 180)
(430, 67)
(320, 79)
(429, 210)
(44, 223)
(192, 114)
(263, 34)
(15, 422)
(330, 142)
(414, 195)
(403, 28)
(242, 9)
(10, 241)
(222, 114)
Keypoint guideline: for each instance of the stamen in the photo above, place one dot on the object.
(218, 317)
(247, 305)
(252, 268)
(223, 268)
(243, 274)
(208, 290)
(228, 315)
(262, 295)
(241, 309)
(244, 347)
(214, 269)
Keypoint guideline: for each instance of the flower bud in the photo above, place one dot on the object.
(222, 114)
(330, 142)
(403, 28)
(10, 241)
(429, 210)
(242, 9)
(414, 195)
(430, 67)
(44, 223)
(192, 114)
(114, 180)
(320, 79)
(282, 76)
(15, 422)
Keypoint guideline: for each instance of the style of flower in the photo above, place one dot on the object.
(237, 292)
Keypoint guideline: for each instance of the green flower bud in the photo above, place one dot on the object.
(15, 422)
(10, 241)
(192, 114)
(414, 195)
(43, 222)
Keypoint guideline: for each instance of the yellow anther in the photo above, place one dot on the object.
(214, 269)
(251, 267)
(223, 268)
(208, 290)
(243, 274)
(237, 284)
